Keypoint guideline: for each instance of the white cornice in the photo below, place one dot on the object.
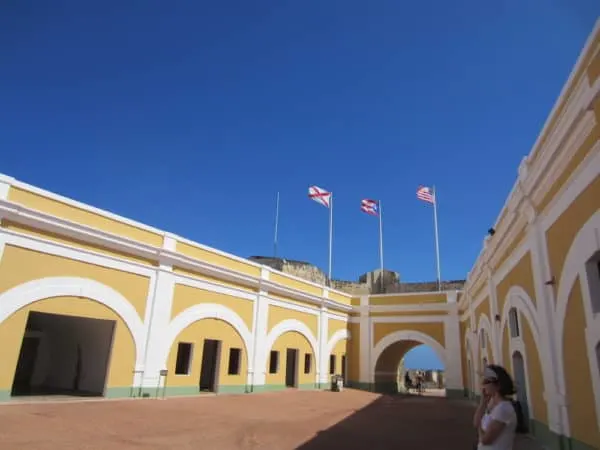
(45, 222)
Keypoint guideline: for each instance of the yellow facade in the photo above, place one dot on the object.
(536, 281)
(136, 307)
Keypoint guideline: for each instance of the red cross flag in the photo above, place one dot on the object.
(320, 195)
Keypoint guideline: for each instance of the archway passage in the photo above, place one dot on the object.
(209, 355)
(68, 346)
(291, 362)
(392, 370)
(63, 355)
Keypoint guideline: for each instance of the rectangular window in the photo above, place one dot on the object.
(307, 362)
(274, 362)
(184, 358)
(331, 364)
(235, 355)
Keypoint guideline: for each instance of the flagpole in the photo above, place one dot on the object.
(381, 244)
(437, 243)
(330, 234)
(276, 226)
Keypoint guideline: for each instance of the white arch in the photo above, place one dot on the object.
(406, 335)
(205, 311)
(517, 298)
(484, 324)
(32, 291)
(338, 336)
(283, 327)
(584, 246)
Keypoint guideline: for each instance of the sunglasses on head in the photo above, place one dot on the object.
(489, 381)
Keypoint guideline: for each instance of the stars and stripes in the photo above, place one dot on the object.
(320, 195)
(369, 206)
(426, 194)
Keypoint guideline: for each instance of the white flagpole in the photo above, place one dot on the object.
(276, 226)
(437, 243)
(330, 234)
(381, 244)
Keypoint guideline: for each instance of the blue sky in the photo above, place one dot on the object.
(190, 116)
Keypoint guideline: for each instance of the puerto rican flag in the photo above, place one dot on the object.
(426, 194)
(320, 195)
(370, 207)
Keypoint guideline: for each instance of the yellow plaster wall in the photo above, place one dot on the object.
(340, 349)
(210, 257)
(561, 234)
(292, 339)
(278, 314)
(335, 326)
(514, 245)
(582, 413)
(437, 312)
(521, 275)
(575, 161)
(293, 283)
(339, 297)
(78, 215)
(283, 298)
(19, 266)
(434, 330)
(534, 371)
(353, 349)
(462, 326)
(29, 231)
(122, 362)
(482, 308)
(195, 334)
(198, 276)
(185, 297)
(405, 299)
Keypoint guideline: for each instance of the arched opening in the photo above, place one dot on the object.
(520, 375)
(209, 355)
(291, 362)
(66, 345)
(402, 364)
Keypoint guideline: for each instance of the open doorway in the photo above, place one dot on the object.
(209, 372)
(344, 369)
(63, 355)
(291, 368)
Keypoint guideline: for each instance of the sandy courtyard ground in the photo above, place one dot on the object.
(274, 421)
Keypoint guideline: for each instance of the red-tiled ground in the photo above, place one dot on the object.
(277, 421)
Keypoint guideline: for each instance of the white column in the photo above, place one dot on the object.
(257, 370)
(157, 319)
(555, 392)
(452, 346)
(496, 345)
(365, 341)
(323, 356)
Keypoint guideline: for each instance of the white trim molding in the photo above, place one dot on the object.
(338, 336)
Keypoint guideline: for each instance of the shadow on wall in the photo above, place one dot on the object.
(400, 421)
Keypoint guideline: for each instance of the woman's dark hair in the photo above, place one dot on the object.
(506, 387)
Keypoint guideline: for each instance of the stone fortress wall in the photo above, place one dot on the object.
(368, 283)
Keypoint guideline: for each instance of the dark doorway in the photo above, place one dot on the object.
(291, 368)
(521, 384)
(63, 355)
(209, 372)
(26, 365)
(344, 369)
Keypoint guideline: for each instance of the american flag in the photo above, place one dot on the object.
(320, 195)
(370, 206)
(426, 194)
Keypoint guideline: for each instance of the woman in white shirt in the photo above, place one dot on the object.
(495, 418)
